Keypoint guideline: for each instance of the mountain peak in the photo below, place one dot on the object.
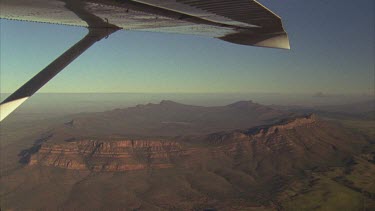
(242, 104)
(169, 102)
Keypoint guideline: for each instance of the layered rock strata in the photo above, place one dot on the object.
(119, 155)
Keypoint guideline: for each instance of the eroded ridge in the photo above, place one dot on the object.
(95, 155)
(305, 121)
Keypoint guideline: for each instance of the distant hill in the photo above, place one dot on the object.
(360, 107)
(362, 110)
(170, 119)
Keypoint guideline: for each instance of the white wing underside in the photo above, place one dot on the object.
(127, 18)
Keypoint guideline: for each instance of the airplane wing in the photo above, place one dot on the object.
(244, 22)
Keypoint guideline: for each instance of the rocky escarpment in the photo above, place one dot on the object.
(265, 131)
(118, 155)
(291, 144)
(279, 149)
(287, 124)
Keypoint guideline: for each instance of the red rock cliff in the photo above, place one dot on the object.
(98, 155)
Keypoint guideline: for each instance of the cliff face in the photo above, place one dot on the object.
(282, 148)
(307, 121)
(266, 131)
(119, 155)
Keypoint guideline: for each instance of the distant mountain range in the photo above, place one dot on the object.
(169, 119)
(350, 108)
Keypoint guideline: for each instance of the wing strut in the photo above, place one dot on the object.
(98, 29)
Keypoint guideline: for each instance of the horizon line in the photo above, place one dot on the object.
(197, 93)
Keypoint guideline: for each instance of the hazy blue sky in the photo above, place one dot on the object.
(332, 52)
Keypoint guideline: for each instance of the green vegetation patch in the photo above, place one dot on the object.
(325, 194)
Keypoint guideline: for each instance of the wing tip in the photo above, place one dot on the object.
(280, 41)
(9, 107)
(273, 40)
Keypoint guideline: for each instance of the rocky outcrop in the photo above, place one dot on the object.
(118, 155)
(264, 131)
(305, 121)
(288, 146)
